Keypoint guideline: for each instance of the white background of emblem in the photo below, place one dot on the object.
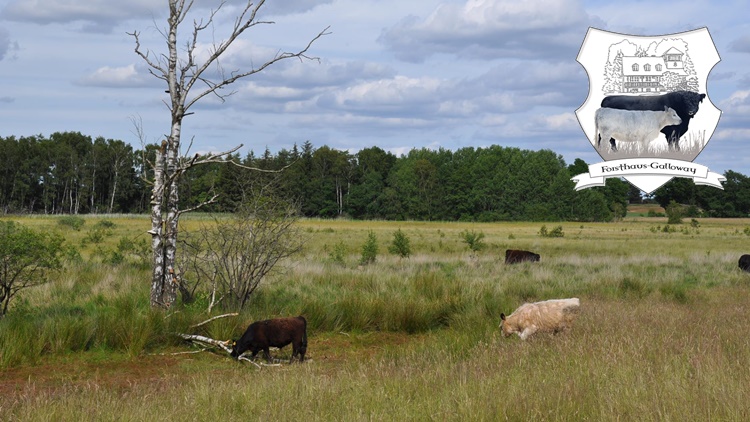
(593, 57)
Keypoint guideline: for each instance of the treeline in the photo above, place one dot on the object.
(74, 174)
(70, 173)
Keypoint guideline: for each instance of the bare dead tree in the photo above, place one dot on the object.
(181, 73)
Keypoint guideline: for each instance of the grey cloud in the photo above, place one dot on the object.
(8, 47)
(287, 7)
(4, 42)
(100, 16)
(97, 15)
(492, 30)
(314, 75)
(741, 44)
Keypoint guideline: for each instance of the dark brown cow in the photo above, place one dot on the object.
(514, 256)
(279, 332)
(744, 263)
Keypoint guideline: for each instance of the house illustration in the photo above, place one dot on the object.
(650, 73)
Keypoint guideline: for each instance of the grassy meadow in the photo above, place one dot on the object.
(662, 333)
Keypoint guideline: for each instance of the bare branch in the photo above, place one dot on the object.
(146, 56)
(213, 87)
(213, 319)
(201, 205)
(260, 169)
(223, 345)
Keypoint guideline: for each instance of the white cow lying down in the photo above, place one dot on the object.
(547, 316)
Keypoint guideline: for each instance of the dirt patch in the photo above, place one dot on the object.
(59, 375)
(122, 376)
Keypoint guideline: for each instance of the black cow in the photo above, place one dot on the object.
(744, 263)
(685, 103)
(279, 332)
(514, 256)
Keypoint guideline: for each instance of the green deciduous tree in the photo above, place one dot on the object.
(26, 256)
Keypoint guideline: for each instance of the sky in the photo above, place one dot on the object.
(391, 73)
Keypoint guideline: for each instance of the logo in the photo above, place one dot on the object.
(648, 114)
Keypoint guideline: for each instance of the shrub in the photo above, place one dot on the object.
(474, 240)
(675, 212)
(71, 221)
(336, 256)
(556, 232)
(400, 245)
(369, 249)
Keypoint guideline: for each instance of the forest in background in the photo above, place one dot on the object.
(72, 173)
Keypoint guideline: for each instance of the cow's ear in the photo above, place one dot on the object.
(502, 316)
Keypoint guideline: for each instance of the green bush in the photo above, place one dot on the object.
(474, 240)
(336, 255)
(675, 212)
(556, 232)
(400, 245)
(369, 249)
(71, 221)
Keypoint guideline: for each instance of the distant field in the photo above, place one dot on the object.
(662, 333)
(643, 209)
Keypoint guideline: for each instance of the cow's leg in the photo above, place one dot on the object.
(267, 354)
(672, 140)
(294, 353)
(612, 144)
(527, 332)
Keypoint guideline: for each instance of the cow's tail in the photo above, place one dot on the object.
(596, 132)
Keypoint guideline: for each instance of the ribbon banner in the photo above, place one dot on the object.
(633, 167)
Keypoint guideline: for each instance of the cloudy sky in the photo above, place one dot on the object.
(392, 73)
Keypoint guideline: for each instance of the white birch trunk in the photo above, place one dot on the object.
(157, 198)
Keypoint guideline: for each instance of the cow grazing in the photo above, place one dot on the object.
(279, 332)
(633, 125)
(550, 316)
(685, 103)
(513, 256)
(744, 263)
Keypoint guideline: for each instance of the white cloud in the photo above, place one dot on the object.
(386, 97)
(492, 29)
(119, 77)
(563, 121)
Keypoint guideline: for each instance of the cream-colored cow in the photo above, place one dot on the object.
(547, 316)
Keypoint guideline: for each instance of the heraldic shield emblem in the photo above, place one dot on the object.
(648, 113)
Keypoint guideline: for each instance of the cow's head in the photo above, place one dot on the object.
(692, 102)
(504, 326)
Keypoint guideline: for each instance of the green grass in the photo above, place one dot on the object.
(661, 334)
